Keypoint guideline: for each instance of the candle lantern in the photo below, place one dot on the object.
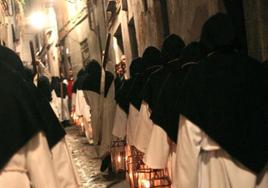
(118, 155)
(133, 160)
(149, 178)
(139, 175)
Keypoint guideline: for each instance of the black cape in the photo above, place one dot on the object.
(56, 86)
(24, 113)
(151, 61)
(20, 120)
(155, 83)
(139, 81)
(163, 114)
(44, 87)
(226, 96)
(92, 80)
(170, 51)
(166, 112)
(23, 109)
(121, 96)
(165, 99)
(79, 80)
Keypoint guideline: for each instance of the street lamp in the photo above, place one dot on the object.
(37, 20)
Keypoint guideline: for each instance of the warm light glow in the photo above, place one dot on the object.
(37, 20)
(119, 159)
(67, 51)
(145, 183)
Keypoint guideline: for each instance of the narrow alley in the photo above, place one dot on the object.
(133, 93)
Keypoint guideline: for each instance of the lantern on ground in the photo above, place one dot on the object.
(118, 155)
(139, 175)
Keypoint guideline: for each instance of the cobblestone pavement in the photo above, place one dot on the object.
(87, 164)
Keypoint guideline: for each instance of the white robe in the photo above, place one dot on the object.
(73, 100)
(201, 163)
(161, 153)
(31, 166)
(144, 127)
(60, 107)
(107, 121)
(62, 161)
(54, 103)
(83, 109)
(132, 124)
(158, 149)
(151, 140)
(35, 166)
(78, 103)
(120, 123)
(93, 100)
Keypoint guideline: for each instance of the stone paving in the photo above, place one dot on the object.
(87, 164)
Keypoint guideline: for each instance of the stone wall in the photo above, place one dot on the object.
(187, 17)
(256, 18)
(92, 29)
(184, 17)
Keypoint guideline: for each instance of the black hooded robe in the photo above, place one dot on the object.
(223, 119)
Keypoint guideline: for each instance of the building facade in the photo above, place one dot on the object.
(81, 27)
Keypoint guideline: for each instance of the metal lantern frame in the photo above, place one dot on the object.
(139, 175)
(118, 155)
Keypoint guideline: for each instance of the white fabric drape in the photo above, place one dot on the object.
(63, 165)
(201, 163)
(132, 124)
(31, 166)
(120, 122)
(107, 121)
(93, 101)
(144, 127)
(36, 166)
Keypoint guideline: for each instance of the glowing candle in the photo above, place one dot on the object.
(145, 183)
(119, 159)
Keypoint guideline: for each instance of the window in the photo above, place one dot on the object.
(124, 5)
(91, 16)
(133, 39)
(118, 36)
(84, 51)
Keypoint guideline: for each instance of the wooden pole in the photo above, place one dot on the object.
(33, 57)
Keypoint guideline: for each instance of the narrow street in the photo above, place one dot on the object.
(133, 93)
(87, 163)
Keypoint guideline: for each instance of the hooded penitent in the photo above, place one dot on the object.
(121, 97)
(24, 111)
(171, 51)
(171, 48)
(44, 87)
(167, 110)
(226, 96)
(151, 61)
(79, 79)
(57, 87)
(92, 80)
